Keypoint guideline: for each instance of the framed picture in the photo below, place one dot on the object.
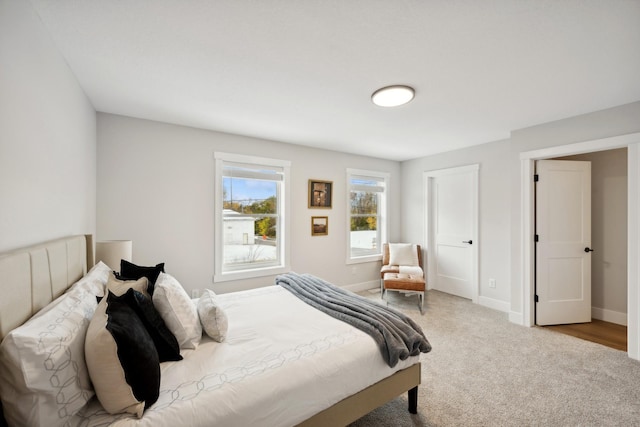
(319, 225)
(320, 194)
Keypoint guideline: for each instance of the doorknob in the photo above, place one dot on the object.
(468, 241)
(587, 250)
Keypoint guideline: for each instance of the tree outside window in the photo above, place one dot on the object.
(366, 214)
(251, 221)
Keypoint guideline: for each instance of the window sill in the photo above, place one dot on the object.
(249, 274)
(363, 259)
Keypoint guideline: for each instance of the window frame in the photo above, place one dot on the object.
(382, 221)
(283, 236)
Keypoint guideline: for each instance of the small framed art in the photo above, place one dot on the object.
(319, 225)
(320, 194)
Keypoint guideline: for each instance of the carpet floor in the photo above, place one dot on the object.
(486, 371)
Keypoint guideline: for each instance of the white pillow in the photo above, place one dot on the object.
(403, 254)
(43, 376)
(213, 318)
(177, 310)
(95, 280)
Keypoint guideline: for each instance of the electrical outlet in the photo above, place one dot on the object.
(492, 283)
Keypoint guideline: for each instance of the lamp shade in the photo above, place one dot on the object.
(112, 251)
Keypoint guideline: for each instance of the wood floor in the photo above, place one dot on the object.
(605, 333)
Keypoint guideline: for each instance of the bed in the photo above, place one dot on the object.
(277, 367)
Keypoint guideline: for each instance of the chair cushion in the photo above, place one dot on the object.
(404, 282)
(389, 269)
(403, 254)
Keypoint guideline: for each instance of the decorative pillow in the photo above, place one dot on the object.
(165, 342)
(43, 376)
(122, 359)
(212, 317)
(403, 254)
(95, 279)
(130, 271)
(120, 287)
(177, 311)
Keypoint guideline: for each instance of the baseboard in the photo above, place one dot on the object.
(516, 318)
(609, 315)
(494, 304)
(363, 286)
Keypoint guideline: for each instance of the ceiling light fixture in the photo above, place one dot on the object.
(393, 96)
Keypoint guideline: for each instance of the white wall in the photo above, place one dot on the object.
(494, 217)
(155, 186)
(608, 233)
(47, 136)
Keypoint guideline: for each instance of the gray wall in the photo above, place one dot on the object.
(499, 195)
(47, 136)
(621, 120)
(155, 187)
(155, 181)
(494, 203)
(608, 233)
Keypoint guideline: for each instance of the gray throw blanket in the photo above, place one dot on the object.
(396, 334)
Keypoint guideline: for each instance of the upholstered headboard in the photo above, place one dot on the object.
(32, 277)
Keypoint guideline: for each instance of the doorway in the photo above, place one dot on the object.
(451, 207)
(607, 308)
(598, 331)
(525, 292)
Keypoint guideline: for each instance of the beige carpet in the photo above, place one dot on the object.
(485, 371)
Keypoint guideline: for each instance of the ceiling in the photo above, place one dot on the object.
(303, 71)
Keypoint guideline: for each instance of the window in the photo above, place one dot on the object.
(251, 227)
(367, 214)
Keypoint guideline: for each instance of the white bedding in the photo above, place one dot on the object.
(282, 362)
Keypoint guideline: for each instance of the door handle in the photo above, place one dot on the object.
(587, 250)
(468, 241)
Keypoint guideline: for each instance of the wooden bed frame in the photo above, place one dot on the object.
(32, 277)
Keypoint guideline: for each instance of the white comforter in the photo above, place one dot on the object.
(282, 362)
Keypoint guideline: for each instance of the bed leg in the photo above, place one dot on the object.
(413, 400)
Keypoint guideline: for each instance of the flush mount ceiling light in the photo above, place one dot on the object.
(392, 96)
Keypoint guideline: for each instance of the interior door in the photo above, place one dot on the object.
(563, 247)
(453, 212)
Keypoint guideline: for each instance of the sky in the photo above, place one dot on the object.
(254, 189)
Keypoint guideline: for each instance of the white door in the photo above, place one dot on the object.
(563, 230)
(452, 211)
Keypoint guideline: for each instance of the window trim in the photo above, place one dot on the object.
(284, 238)
(383, 215)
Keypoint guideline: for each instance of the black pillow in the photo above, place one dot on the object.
(130, 271)
(121, 358)
(136, 350)
(165, 342)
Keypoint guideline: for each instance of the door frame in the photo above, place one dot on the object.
(527, 221)
(429, 238)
